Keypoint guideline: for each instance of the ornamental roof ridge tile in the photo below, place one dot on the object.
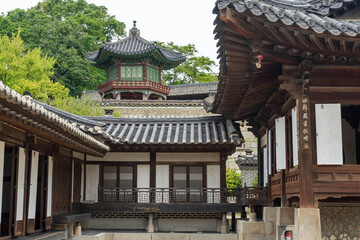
(45, 111)
(306, 14)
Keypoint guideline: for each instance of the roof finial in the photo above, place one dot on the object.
(134, 31)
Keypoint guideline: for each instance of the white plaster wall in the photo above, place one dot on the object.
(263, 140)
(2, 159)
(349, 142)
(162, 181)
(33, 184)
(21, 185)
(213, 181)
(266, 166)
(188, 157)
(280, 143)
(122, 157)
(82, 183)
(269, 149)
(92, 182)
(294, 125)
(328, 134)
(143, 181)
(49, 187)
(78, 155)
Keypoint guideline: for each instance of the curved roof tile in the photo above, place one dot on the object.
(306, 14)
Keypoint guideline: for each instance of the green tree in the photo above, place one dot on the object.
(66, 30)
(194, 70)
(27, 70)
(233, 178)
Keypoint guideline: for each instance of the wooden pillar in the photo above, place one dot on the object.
(283, 188)
(233, 221)
(260, 162)
(84, 184)
(2, 160)
(152, 175)
(70, 181)
(305, 152)
(223, 158)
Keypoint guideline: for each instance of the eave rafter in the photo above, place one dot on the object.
(292, 37)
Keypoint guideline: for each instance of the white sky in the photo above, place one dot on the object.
(180, 21)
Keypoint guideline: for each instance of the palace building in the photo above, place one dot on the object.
(292, 69)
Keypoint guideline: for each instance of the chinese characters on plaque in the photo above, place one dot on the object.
(304, 111)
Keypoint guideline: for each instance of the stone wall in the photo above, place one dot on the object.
(248, 176)
(162, 111)
(339, 223)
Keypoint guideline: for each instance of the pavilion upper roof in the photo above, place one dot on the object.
(135, 47)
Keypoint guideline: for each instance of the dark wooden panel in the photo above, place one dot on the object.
(77, 182)
(30, 228)
(60, 195)
(18, 228)
(48, 222)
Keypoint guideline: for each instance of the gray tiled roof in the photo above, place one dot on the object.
(54, 115)
(201, 130)
(306, 14)
(192, 89)
(135, 46)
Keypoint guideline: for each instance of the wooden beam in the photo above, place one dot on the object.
(355, 48)
(31, 139)
(327, 89)
(329, 44)
(301, 39)
(287, 35)
(273, 32)
(278, 57)
(227, 16)
(342, 45)
(316, 42)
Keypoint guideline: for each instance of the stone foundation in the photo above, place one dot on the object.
(339, 223)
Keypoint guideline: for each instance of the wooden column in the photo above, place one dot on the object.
(283, 188)
(298, 86)
(223, 158)
(305, 152)
(84, 193)
(152, 175)
(71, 181)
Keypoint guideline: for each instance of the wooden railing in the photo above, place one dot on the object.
(243, 196)
(133, 84)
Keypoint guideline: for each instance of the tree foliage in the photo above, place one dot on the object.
(194, 70)
(27, 70)
(66, 30)
(233, 178)
(83, 105)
